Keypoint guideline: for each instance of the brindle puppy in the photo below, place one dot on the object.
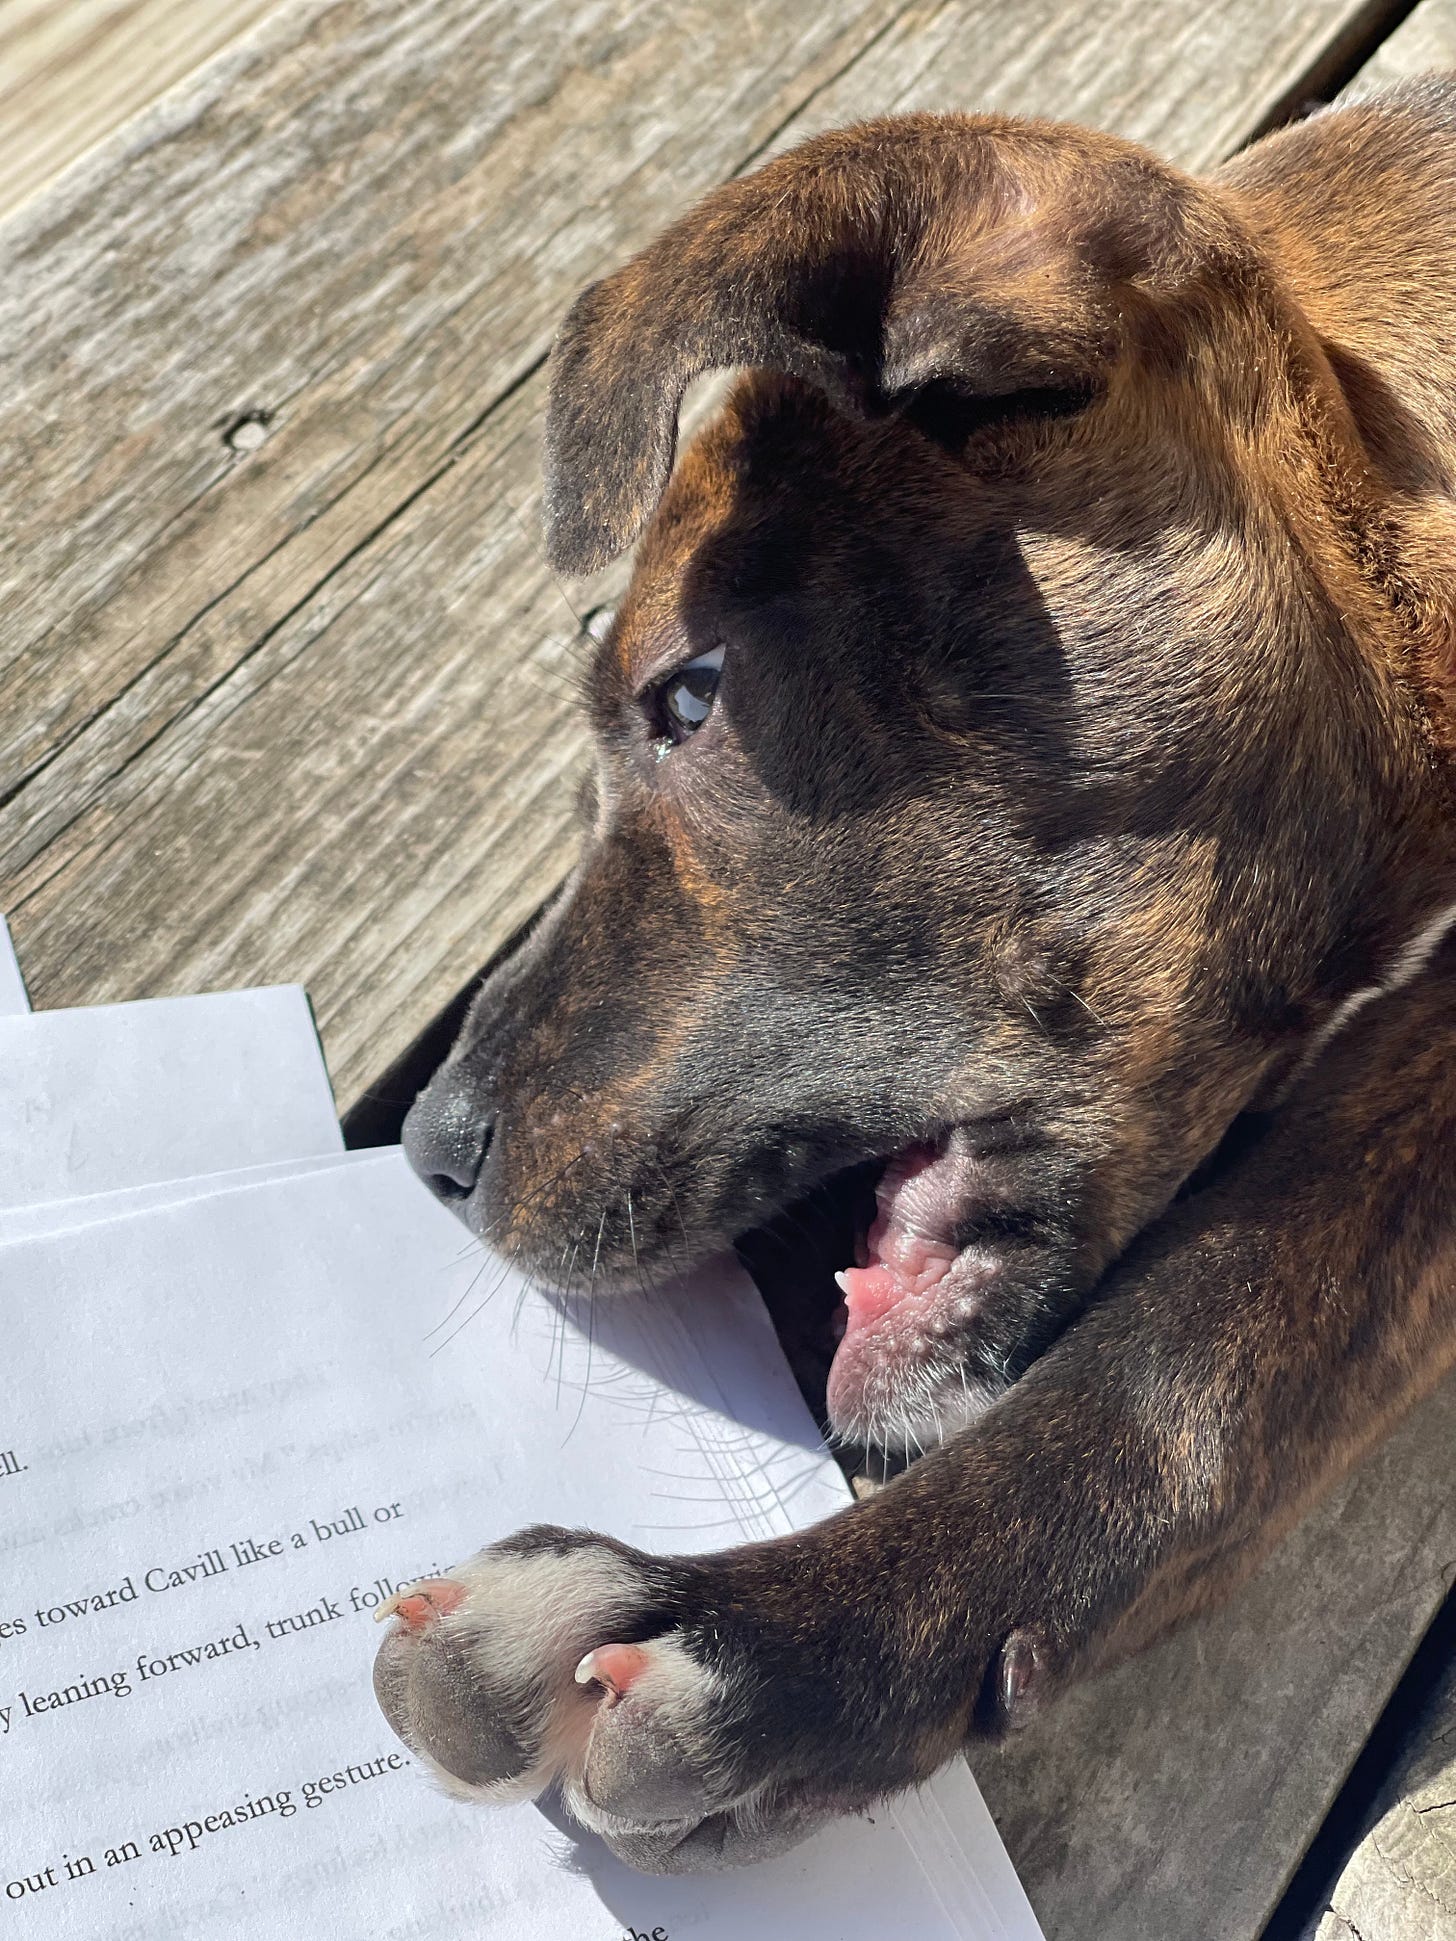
(1025, 747)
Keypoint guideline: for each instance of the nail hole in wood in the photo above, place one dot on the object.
(246, 432)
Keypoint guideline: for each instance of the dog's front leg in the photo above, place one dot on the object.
(701, 1711)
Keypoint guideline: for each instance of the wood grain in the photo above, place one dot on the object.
(1196, 83)
(1424, 43)
(1399, 1884)
(351, 240)
(285, 688)
(73, 70)
(358, 244)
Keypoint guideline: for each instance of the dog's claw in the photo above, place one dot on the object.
(615, 1667)
(494, 1680)
(418, 1604)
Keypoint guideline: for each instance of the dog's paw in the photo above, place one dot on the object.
(557, 1658)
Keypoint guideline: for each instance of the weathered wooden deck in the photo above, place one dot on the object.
(284, 682)
(73, 70)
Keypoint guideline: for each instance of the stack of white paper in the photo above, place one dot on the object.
(256, 1383)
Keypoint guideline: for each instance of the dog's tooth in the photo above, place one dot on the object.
(841, 1281)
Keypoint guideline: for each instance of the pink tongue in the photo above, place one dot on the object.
(912, 1242)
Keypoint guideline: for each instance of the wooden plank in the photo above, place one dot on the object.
(282, 677)
(1194, 82)
(1399, 1883)
(364, 239)
(361, 229)
(73, 70)
(1424, 43)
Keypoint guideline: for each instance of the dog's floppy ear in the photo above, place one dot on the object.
(986, 255)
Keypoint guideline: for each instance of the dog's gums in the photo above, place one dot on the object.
(899, 1370)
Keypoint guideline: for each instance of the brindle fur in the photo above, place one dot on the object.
(1083, 539)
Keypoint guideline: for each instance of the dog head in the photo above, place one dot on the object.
(994, 778)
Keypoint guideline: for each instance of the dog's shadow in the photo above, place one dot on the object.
(642, 1903)
(826, 1888)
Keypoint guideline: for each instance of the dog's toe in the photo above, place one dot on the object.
(475, 1673)
(552, 1660)
(662, 1780)
(434, 1693)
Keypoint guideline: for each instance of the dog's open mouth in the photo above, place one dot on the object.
(908, 1240)
(915, 1285)
(911, 1245)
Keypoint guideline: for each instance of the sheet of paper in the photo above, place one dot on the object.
(232, 1425)
(119, 1095)
(13, 998)
(91, 1209)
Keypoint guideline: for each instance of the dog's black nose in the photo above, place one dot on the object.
(446, 1137)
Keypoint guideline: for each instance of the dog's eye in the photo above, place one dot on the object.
(683, 702)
